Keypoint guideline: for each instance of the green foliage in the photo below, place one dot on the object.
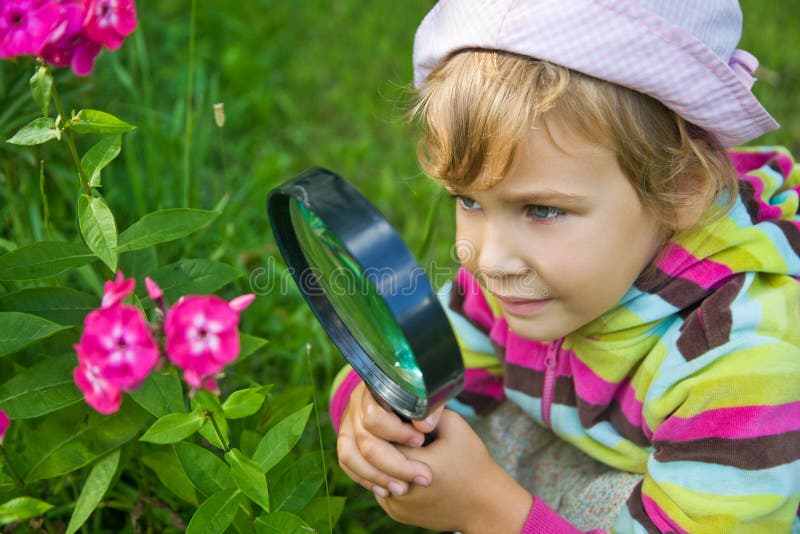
(298, 92)
(96, 485)
(174, 427)
(21, 508)
(98, 228)
(190, 455)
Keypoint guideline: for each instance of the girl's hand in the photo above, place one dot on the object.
(367, 446)
(469, 492)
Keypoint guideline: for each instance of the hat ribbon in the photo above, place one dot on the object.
(744, 64)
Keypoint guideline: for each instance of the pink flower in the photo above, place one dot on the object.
(109, 21)
(26, 25)
(202, 336)
(118, 346)
(116, 291)
(98, 392)
(69, 44)
(4, 422)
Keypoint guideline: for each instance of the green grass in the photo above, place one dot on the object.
(304, 83)
(772, 33)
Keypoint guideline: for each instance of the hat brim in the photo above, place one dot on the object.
(620, 42)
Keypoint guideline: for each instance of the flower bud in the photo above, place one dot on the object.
(153, 290)
(219, 114)
(4, 422)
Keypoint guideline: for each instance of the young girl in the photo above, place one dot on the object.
(628, 304)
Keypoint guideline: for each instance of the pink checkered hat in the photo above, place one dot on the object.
(682, 52)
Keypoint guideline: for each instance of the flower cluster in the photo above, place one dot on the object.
(203, 337)
(118, 350)
(64, 32)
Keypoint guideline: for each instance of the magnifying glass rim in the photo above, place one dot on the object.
(372, 243)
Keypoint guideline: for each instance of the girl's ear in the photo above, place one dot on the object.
(697, 192)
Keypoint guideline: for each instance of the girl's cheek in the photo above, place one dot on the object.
(465, 251)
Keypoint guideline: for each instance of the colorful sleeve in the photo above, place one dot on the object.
(472, 317)
(343, 385)
(724, 407)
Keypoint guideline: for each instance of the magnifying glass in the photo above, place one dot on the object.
(368, 291)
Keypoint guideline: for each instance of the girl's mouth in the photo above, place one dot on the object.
(522, 307)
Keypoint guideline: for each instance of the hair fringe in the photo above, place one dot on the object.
(478, 106)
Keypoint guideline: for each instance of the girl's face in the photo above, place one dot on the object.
(560, 239)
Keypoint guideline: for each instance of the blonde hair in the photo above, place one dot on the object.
(477, 107)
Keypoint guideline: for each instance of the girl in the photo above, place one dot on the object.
(628, 303)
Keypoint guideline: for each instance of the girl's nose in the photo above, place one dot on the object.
(499, 252)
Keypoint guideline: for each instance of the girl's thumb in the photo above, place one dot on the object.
(430, 423)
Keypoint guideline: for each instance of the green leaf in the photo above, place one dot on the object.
(22, 508)
(18, 330)
(248, 477)
(7, 245)
(43, 259)
(174, 427)
(249, 344)
(249, 440)
(207, 402)
(281, 523)
(41, 84)
(297, 486)
(216, 512)
(100, 155)
(244, 402)
(207, 471)
(91, 121)
(69, 439)
(62, 305)
(160, 394)
(323, 512)
(162, 226)
(44, 388)
(281, 438)
(98, 228)
(169, 471)
(36, 132)
(286, 403)
(138, 264)
(94, 488)
(242, 523)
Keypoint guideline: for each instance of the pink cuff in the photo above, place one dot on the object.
(543, 519)
(341, 397)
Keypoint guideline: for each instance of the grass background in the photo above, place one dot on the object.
(304, 83)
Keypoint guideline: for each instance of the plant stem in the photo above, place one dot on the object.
(71, 143)
(188, 125)
(45, 205)
(222, 440)
(13, 472)
(319, 433)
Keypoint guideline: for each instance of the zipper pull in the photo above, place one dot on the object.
(549, 381)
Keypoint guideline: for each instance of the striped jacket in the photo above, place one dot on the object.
(692, 379)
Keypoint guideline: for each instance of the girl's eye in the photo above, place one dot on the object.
(544, 213)
(468, 203)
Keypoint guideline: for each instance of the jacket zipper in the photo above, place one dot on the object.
(549, 383)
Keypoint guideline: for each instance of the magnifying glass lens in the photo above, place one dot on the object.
(355, 299)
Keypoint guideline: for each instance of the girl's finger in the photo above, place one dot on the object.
(386, 425)
(430, 423)
(364, 473)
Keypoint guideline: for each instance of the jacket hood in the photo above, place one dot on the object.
(760, 234)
